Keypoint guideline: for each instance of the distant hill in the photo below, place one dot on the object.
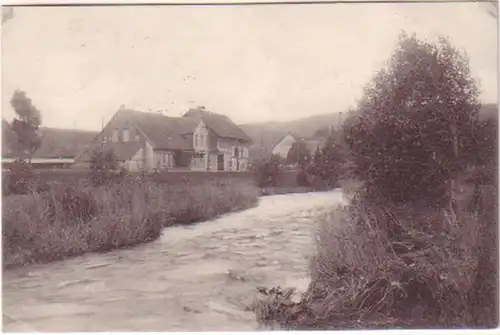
(56, 142)
(267, 134)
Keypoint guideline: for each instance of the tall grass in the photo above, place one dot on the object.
(379, 266)
(43, 227)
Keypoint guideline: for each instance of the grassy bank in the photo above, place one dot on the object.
(62, 223)
(386, 266)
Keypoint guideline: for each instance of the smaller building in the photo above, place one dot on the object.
(42, 163)
(282, 148)
(58, 148)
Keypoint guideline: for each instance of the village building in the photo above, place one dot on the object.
(198, 141)
(282, 148)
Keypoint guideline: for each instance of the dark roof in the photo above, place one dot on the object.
(122, 151)
(56, 142)
(160, 130)
(171, 132)
(220, 124)
(165, 132)
(63, 142)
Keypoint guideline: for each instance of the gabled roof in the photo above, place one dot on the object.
(165, 132)
(122, 151)
(311, 143)
(161, 131)
(56, 142)
(220, 124)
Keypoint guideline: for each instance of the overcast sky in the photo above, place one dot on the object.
(252, 63)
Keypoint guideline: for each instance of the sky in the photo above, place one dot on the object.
(251, 63)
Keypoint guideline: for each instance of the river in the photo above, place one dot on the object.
(194, 278)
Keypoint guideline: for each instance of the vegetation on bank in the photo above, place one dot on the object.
(303, 171)
(108, 210)
(416, 247)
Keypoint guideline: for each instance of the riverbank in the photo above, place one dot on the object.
(67, 222)
(193, 278)
(383, 266)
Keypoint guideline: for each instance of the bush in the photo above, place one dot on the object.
(21, 179)
(414, 131)
(70, 205)
(302, 178)
(270, 173)
(329, 161)
(104, 168)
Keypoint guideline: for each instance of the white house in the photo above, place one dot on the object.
(198, 141)
(285, 144)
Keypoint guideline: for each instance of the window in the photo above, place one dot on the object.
(235, 152)
(199, 155)
(126, 135)
(114, 138)
(166, 159)
(137, 136)
(195, 140)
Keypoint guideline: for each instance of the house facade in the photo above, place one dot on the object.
(285, 144)
(198, 141)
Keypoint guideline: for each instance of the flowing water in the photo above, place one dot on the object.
(195, 278)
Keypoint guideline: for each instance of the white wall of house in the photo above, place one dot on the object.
(200, 159)
(163, 159)
(135, 164)
(212, 162)
(236, 155)
(284, 146)
(149, 159)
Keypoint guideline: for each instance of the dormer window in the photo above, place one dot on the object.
(126, 135)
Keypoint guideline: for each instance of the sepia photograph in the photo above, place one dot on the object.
(249, 166)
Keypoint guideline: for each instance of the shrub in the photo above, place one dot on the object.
(302, 178)
(72, 205)
(270, 173)
(21, 179)
(104, 167)
(329, 161)
(414, 128)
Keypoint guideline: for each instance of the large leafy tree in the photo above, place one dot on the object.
(25, 126)
(415, 123)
